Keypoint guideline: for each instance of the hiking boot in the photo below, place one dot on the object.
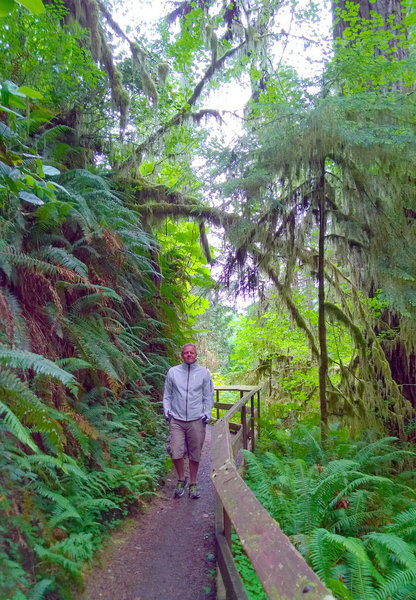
(193, 491)
(180, 488)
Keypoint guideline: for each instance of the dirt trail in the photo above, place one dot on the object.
(168, 553)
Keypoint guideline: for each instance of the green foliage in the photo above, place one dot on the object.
(215, 336)
(34, 6)
(270, 348)
(251, 582)
(185, 275)
(373, 52)
(83, 352)
(345, 508)
(92, 305)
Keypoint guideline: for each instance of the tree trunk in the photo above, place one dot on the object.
(323, 351)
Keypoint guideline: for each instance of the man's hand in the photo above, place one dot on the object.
(206, 420)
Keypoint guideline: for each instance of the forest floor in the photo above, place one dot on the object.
(166, 553)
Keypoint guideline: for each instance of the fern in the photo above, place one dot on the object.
(339, 588)
(396, 583)
(63, 463)
(12, 257)
(358, 516)
(324, 552)
(265, 485)
(60, 256)
(26, 405)
(54, 558)
(27, 360)
(38, 591)
(401, 551)
(16, 428)
(404, 524)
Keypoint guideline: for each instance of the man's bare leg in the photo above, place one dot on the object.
(180, 468)
(193, 470)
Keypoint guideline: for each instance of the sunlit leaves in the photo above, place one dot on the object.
(6, 6)
(34, 6)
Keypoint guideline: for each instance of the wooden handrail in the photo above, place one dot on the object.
(281, 569)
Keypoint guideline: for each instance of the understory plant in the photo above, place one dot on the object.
(348, 507)
(84, 348)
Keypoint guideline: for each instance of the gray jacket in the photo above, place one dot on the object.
(189, 393)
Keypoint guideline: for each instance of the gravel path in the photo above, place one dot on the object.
(169, 551)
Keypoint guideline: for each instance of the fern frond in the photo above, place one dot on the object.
(374, 451)
(394, 583)
(404, 524)
(72, 364)
(403, 553)
(356, 549)
(339, 588)
(352, 520)
(61, 501)
(37, 592)
(40, 588)
(18, 259)
(63, 463)
(19, 359)
(97, 504)
(263, 486)
(61, 515)
(16, 428)
(407, 592)
(325, 552)
(364, 481)
(48, 556)
(60, 256)
(28, 407)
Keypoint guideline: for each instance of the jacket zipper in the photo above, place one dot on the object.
(187, 388)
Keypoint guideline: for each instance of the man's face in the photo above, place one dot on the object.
(189, 354)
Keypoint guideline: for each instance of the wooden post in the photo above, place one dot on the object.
(258, 413)
(244, 426)
(227, 529)
(218, 399)
(252, 432)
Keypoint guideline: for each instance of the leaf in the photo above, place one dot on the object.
(31, 198)
(40, 167)
(6, 6)
(35, 6)
(5, 131)
(4, 169)
(51, 171)
(19, 595)
(29, 92)
(28, 360)
(12, 88)
(9, 110)
(16, 428)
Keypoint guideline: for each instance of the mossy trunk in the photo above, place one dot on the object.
(323, 351)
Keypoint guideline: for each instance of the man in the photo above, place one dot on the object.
(187, 403)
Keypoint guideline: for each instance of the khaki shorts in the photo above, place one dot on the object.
(186, 438)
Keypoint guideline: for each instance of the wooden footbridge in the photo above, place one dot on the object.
(282, 571)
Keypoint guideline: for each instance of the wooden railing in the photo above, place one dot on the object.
(282, 571)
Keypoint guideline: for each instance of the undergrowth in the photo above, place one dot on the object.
(348, 507)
